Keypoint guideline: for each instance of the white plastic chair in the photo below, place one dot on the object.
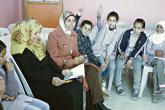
(146, 71)
(4, 31)
(45, 33)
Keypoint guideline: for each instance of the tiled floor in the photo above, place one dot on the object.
(116, 102)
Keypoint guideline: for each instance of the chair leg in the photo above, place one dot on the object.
(143, 81)
(110, 82)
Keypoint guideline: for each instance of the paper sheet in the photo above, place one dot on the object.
(75, 72)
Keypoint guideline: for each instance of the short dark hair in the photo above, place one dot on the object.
(140, 20)
(113, 13)
(86, 22)
(2, 46)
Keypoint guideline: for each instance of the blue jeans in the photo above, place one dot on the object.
(37, 105)
(108, 74)
(158, 73)
(137, 69)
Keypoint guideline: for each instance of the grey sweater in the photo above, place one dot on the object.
(12, 86)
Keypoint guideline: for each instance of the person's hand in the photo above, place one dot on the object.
(78, 60)
(103, 67)
(99, 11)
(159, 53)
(122, 55)
(128, 65)
(8, 98)
(9, 66)
(57, 81)
(80, 11)
(81, 59)
(107, 60)
(2, 87)
(65, 71)
(145, 58)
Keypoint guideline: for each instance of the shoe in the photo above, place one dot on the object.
(120, 90)
(156, 98)
(100, 106)
(135, 95)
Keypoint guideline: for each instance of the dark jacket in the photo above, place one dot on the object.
(38, 71)
(85, 45)
(139, 46)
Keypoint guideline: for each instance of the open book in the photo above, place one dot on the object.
(78, 71)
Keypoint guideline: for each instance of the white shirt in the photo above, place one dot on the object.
(132, 43)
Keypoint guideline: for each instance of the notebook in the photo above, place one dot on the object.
(76, 72)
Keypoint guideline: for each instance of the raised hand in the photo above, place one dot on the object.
(99, 11)
(80, 11)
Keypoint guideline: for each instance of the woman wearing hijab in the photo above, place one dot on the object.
(63, 49)
(62, 43)
(156, 52)
(44, 75)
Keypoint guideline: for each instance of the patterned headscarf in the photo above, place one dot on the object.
(21, 38)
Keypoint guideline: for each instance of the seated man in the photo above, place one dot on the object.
(9, 96)
(155, 51)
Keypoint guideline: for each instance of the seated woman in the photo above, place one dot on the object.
(43, 75)
(155, 51)
(9, 88)
(63, 49)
